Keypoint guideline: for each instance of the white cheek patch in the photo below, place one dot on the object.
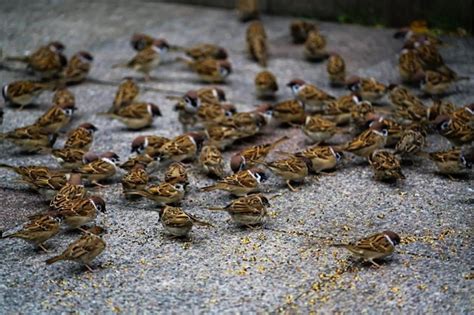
(150, 110)
(5, 91)
(389, 240)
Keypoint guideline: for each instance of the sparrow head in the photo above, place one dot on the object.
(56, 46)
(221, 53)
(110, 156)
(259, 174)
(260, 120)
(225, 68)
(353, 83)
(161, 44)
(89, 127)
(75, 179)
(98, 202)
(5, 92)
(394, 237)
(140, 41)
(295, 85)
(179, 187)
(68, 108)
(308, 162)
(85, 56)
(139, 144)
(89, 157)
(191, 101)
(198, 137)
(441, 123)
(379, 128)
(219, 94)
(154, 110)
(229, 109)
(237, 163)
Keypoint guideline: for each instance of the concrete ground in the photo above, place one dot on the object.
(227, 269)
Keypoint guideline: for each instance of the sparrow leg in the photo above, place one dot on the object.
(96, 183)
(82, 230)
(41, 246)
(374, 264)
(147, 77)
(288, 183)
(327, 174)
(89, 268)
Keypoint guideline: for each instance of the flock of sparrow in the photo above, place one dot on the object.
(383, 135)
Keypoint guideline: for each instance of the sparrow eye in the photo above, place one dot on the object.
(445, 125)
(295, 88)
(179, 187)
(223, 71)
(258, 177)
(68, 111)
(338, 156)
(384, 132)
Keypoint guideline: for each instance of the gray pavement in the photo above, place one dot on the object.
(227, 269)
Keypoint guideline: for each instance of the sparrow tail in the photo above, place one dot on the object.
(54, 259)
(216, 209)
(280, 141)
(17, 58)
(3, 165)
(209, 188)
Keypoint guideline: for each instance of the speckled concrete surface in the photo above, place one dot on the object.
(226, 268)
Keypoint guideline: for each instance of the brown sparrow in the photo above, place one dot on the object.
(177, 222)
(222, 136)
(394, 130)
(177, 173)
(136, 116)
(265, 85)
(148, 144)
(135, 180)
(410, 66)
(241, 183)
(210, 70)
(340, 109)
(368, 89)
(315, 46)
(100, 169)
(148, 161)
(465, 113)
(73, 190)
(386, 166)
(412, 140)
(249, 210)
(63, 97)
(457, 130)
(205, 51)
(248, 123)
(210, 114)
(30, 139)
(147, 59)
(336, 69)
(211, 161)
(56, 118)
(47, 61)
(437, 83)
(319, 129)
(81, 137)
(360, 114)
(376, 246)
(287, 112)
(453, 161)
(438, 108)
(367, 142)
(299, 30)
(247, 10)
(126, 94)
(162, 194)
(187, 108)
(407, 106)
(37, 231)
(290, 169)
(70, 158)
(78, 68)
(83, 250)
(314, 99)
(181, 148)
(322, 157)
(80, 212)
(23, 92)
(211, 95)
(257, 42)
(253, 155)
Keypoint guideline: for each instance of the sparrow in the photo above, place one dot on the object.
(78, 68)
(135, 180)
(299, 30)
(63, 97)
(79, 212)
(290, 169)
(102, 168)
(126, 94)
(368, 89)
(147, 59)
(257, 42)
(266, 85)
(457, 130)
(394, 130)
(322, 158)
(367, 142)
(412, 141)
(70, 158)
(314, 99)
(177, 173)
(386, 166)
(83, 250)
(336, 69)
(177, 222)
(253, 155)
(162, 194)
(204, 51)
(24, 92)
(319, 129)
(210, 114)
(136, 116)
(340, 109)
(148, 144)
(146, 160)
(73, 190)
(81, 137)
(210, 70)
(37, 231)
(211, 95)
(410, 66)
(439, 108)
(315, 46)
(452, 162)
(247, 123)
(30, 139)
(181, 148)
(248, 211)
(407, 106)
(288, 112)
(437, 83)
(376, 246)
(187, 108)
(211, 161)
(247, 10)
(430, 57)
(48, 61)
(222, 136)
(241, 183)
(56, 118)
(360, 114)
(465, 114)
